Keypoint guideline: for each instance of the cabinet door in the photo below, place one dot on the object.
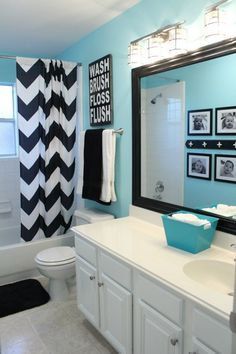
(199, 348)
(116, 314)
(87, 290)
(154, 334)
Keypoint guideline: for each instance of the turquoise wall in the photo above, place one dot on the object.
(114, 38)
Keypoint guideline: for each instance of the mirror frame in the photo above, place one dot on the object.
(215, 50)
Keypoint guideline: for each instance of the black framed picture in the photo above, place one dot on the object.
(200, 122)
(225, 120)
(225, 168)
(199, 166)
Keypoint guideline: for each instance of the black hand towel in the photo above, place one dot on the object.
(92, 164)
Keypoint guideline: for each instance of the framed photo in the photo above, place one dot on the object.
(225, 168)
(199, 166)
(200, 122)
(225, 120)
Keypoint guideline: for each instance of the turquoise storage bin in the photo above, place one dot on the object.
(188, 237)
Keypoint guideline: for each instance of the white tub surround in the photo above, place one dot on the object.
(129, 257)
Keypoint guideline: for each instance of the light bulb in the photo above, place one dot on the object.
(215, 25)
(177, 41)
(134, 54)
(157, 48)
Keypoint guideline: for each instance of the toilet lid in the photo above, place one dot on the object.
(56, 255)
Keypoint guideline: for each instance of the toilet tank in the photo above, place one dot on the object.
(90, 216)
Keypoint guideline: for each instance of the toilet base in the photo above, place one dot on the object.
(58, 289)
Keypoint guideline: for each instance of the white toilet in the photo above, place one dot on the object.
(58, 263)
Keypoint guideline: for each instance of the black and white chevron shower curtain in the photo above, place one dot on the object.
(46, 91)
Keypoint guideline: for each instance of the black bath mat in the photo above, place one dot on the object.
(20, 296)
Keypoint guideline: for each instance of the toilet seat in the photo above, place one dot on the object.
(56, 256)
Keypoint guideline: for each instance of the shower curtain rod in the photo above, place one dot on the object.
(14, 58)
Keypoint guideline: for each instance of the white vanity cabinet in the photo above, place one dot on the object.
(86, 283)
(154, 333)
(210, 336)
(157, 318)
(104, 294)
(200, 348)
(124, 291)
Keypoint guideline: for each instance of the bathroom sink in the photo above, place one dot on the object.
(216, 275)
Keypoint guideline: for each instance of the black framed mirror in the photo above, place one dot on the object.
(172, 169)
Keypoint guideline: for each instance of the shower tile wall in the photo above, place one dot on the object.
(10, 191)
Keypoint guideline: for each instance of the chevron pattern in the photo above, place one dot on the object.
(46, 91)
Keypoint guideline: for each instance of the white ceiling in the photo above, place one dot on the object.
(47, 27)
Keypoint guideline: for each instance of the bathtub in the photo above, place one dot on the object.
(17, 260)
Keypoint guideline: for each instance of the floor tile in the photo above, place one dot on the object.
(20, 329)
(57, 327)
(27, 346)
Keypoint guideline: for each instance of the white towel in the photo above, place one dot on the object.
(108, 166)
(81, 163)
(191, 219)
(223, 210)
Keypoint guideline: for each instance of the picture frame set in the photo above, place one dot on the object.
(225, 121)
(199, 165)
(200, 121)
(225, 168)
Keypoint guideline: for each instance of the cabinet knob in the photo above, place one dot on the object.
(174, 341)
(100, 284)
(92, 277)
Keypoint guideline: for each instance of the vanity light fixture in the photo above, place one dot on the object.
(171, 40)
(215, 23)
(163, 43)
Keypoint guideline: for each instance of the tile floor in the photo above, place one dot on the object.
(54, 328)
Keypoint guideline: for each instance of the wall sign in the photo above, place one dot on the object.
(100, 91)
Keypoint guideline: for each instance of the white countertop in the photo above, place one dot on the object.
(143, 245)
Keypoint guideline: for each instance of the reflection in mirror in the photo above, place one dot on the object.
(165, 100)
(186, 101)
(162, 139)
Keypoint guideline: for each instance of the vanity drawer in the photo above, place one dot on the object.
(211, 332)
(85, 250)
(160, 299)
(116, 270)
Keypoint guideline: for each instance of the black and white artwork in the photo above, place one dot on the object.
(200, 122)
(100, 91)
(225, 168)
(225, 121)
(199, 166)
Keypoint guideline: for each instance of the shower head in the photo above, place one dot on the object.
(154, 100)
